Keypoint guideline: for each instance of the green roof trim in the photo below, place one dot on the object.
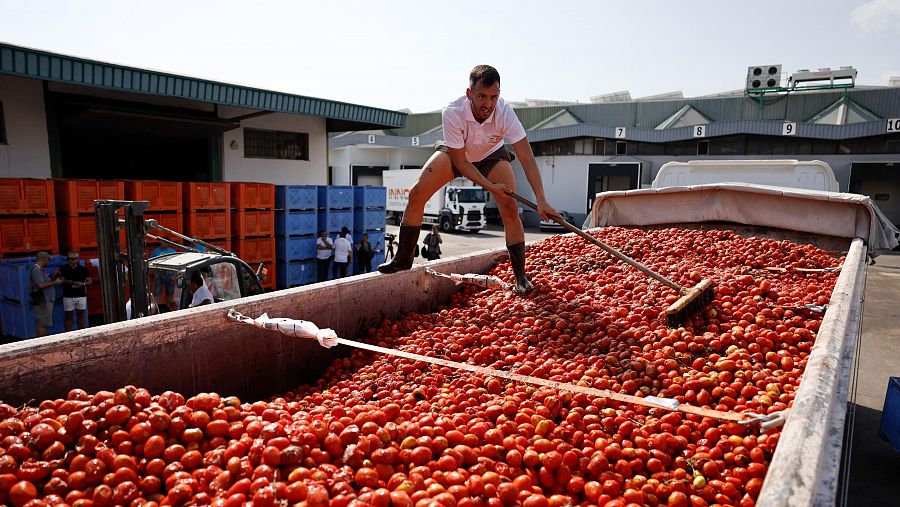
(37, 64)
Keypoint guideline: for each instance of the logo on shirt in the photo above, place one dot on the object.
(494, 139)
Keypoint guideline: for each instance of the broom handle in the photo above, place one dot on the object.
(612, 251)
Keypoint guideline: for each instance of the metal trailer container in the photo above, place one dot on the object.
(200, 350)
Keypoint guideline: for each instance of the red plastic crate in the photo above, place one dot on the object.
(28, 235)
(224, 243)
(208, 224)
(246, 196)
(246, 224)
(207, 196)
(173, 221)
(163, 195)
(78, 196)
(255, 249)
(26, 196)
(77, 232)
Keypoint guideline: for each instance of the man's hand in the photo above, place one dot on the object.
(546, 211)
(499, 189)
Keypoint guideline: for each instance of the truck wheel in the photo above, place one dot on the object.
(446, 226)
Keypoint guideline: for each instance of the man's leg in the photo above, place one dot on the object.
(512, 225)
(69, 317)
(436, 173)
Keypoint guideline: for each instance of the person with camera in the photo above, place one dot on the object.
(431, 245)
(42, 293)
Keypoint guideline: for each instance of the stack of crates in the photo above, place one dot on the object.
(296, 230)
(77, 225)
(253, 226)
(207, 213)
(166, 205)
(369, 217)
(15, 310)
(27, 217)
(336, 212)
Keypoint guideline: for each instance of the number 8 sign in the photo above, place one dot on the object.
(699, 131)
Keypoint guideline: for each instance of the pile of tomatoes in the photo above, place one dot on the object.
(378, 430)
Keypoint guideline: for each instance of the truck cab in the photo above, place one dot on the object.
(227, 277)
(463, 209)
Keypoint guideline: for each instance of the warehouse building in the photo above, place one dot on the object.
(68, 117)
(619, 143)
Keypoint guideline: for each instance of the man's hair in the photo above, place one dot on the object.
(484, 74)
(197, 278)
(43, 255)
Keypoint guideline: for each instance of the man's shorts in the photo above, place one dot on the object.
(484, 165)
(72, 304)
(43, 314)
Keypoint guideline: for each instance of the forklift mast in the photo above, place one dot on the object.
(117, 266)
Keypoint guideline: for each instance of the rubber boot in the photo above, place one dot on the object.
(409, 237)
(517, 259)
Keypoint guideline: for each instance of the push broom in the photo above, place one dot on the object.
(692, 300)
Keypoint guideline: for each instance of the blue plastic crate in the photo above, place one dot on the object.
(292, 274)
(369, 219)
(335, 197)
(377, 259)
(333, 220)
(295, 248)
(295, 223)
(376, 239)
(18, 319)
(14, 276)
(296, 197)
(370, 197)
(889, 429)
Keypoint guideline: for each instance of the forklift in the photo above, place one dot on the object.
(227, 276)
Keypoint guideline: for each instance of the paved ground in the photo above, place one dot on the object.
(874, 471)
(461, 243)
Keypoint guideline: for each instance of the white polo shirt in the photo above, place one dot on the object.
(479, 139)
(342, 249)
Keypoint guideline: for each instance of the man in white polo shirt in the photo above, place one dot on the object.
(475, 127)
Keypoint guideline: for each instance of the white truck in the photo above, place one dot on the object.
(459, 205)
(806, 174)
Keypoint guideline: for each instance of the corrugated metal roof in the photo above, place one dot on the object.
(726, 128)
(37, 64)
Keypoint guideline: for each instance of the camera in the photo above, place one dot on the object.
(389, 237)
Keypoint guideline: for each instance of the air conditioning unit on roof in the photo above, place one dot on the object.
(760, 77)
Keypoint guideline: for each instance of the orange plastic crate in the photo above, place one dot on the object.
(163, 195)
(246, 196)
(173, 221)
(269, 266)
(28, 235)
(26, 196)
(77, 232)
(246, 224)
(208, 224)
(255, 249)
(78, 196)
(224, 243)
(207, 196)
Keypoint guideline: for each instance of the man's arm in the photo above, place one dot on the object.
(533, 174)
(458, 157)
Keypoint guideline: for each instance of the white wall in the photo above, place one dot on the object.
(235, 167)
(343, 158)
(27, 152)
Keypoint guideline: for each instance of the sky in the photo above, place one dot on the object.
(417, 54)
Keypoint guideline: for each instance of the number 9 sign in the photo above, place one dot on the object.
(788, 128)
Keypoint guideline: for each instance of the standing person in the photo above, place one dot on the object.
(324, 246)
(432, 244)
(475, 126)
(343, 253)
(76, 278)
(42, 293)
(364, 253)
(199, 291)
(164, 281)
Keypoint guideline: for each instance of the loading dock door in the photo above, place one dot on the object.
(881, 182)
(605, 177)
(367, 175)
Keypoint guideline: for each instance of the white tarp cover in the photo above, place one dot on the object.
(812, 211)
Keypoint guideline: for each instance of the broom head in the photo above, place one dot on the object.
(692, 300)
